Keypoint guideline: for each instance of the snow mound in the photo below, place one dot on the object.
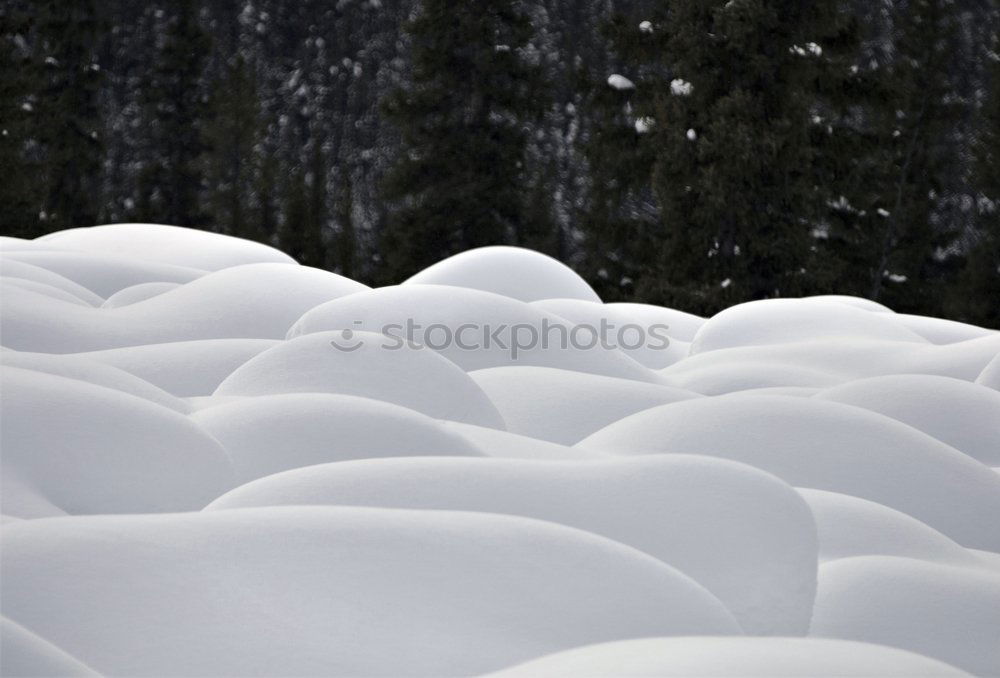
(268, 434)
(172, 245)
(90, 449)
(849, 526)
(11, 268)
(255, 301)
(563, 406)
(635, 328)
(683, 326)
(750, 541)
(778, 321)
(961, 414)
(474, 329)
(185, 368)
(506, 445)
(92, 372)
(136, 293)
(850, 358)
(721, 379)
(367, 591)
(856, 302)
(941, 331)
(990, 375)
(105, 274)
(492, 269)
(41, 288)
(941, 611)
(717, 657)
(25, 655)
(410, 376)
(828, 446)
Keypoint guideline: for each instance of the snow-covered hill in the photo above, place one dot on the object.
(218, 462)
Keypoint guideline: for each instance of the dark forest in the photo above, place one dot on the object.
(690, 153)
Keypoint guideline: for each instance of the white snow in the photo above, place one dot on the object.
(167, 245)
(563, 406)
(680, 87)
(751, 542)
(12, 269)
(475, 329)
(91, 449)
(491, 269)
(824, 445)
(942, 611)
(644, 125)
(775, 321)
(721, 657)
(104, 274)
(962, 414)
(361, 591)
(258, 301)
(790, 487)
(990, 375)
(413, 377)
(620, 82)
(136, 293)
(184, 368)
(268, 434)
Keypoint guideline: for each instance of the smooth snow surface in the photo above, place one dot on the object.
(827, 446)
(780, 321)
(563, 406)
(360, 591)
(479, 325)
(136, 293)
(217, 462)
(750, 541)
(168, 245)
(510, 271)
(726, 657)
(93, 449)
(962, 414)
(947, 612)
(269, 434)
(410, 376)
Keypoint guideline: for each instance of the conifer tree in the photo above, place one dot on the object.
(977, 297)
(733, 152)
(459, 179)
(911, 244)
(20, 191)
(620, 218)
(171, 180)
(233, 132)
(302, 233)
(68, 119)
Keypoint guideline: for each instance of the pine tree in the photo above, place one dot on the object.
(20, 191)
(459, 178)
(977, 298)
(620, 217)
(233, 132)
(69, 123)
(347, 239)
(850, 92)
(733, 174)
(302, 233)
(176, 106)
(912, 245)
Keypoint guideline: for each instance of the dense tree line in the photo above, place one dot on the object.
(689, 152)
